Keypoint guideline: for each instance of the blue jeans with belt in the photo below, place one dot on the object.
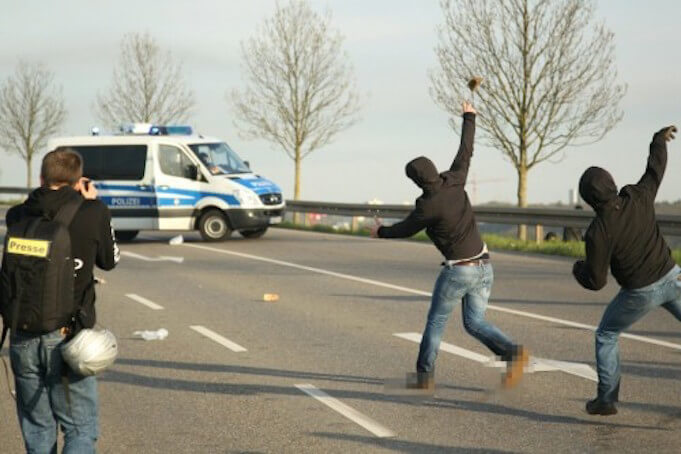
(43, 401)
(470, 285)
(627, 308)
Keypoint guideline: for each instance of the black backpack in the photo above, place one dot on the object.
(37, 276)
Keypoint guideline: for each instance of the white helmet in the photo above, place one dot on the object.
(90, 351)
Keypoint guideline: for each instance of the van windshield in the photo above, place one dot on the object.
(219, 158)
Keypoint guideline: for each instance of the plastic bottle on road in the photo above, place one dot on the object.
(152, 335)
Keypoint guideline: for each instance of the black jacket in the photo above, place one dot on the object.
(625, 235)
(443, 209)
(92, 240)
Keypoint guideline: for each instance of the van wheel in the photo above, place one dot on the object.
(257, 233)
(213, 226)
(126, 235)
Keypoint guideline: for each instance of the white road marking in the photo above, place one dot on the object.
(212, 335)
(536, 364)
(144, 301)
(647, 340)
(161, 258)
(347, 411)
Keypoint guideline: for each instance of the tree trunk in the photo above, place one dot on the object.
(522, 199)
(296, 183)
(28, 171)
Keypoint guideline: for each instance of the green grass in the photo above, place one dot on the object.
(12, 202)
(494, 242)
(565, 248)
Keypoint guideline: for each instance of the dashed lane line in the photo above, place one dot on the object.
(353, 415)
(212, 335)
(644, 339)
(142, 300)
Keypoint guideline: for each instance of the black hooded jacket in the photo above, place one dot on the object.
(92, 240)
(624, 235)
(443, 209)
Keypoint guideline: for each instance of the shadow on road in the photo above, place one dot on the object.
(486, 407)
(405, 446)
(300, 375)
(241, 389)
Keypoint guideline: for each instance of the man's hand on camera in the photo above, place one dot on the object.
(87, 189)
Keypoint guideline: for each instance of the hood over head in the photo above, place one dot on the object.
(46, 202)
(597, 187)
(423, 172)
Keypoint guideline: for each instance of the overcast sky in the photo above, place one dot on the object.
(390, 43)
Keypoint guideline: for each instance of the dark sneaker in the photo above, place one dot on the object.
(421, 380)
(598, 407)
(516, 367)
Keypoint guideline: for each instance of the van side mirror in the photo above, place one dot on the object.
(247, 164)
(192, 172)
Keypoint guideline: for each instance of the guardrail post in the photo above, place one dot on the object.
(539, 233)
(354, 225)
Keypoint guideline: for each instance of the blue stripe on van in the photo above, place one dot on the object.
(165, 201)
(258, 185)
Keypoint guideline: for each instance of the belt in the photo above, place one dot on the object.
(484, 260)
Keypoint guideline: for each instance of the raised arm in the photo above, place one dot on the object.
(657, 161)
(462, 161)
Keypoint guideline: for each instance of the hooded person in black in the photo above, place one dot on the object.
(625, 237)
(446, 213)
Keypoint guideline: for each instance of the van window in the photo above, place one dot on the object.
(174, 162)
(113, 162)
(219, 158)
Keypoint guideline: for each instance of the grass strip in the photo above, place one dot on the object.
(498, 242)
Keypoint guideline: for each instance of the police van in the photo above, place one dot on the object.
(168, 178)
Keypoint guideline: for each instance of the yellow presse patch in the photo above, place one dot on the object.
(33, 248)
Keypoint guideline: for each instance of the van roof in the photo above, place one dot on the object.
(128, 140)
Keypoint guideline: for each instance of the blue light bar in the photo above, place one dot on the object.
(173, 130)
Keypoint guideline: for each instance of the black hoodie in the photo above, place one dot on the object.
(624, 235)
(92, 240)
(443, 209)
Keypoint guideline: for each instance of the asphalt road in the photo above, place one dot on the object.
(342, 300)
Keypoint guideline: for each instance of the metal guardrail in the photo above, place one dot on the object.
(11, 190)
(555, 217)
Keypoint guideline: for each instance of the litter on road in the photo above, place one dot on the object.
(270, 297)
(159, 334)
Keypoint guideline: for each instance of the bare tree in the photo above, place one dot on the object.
(300, 87)
(31, 110)
(147, 86)
(550, 76)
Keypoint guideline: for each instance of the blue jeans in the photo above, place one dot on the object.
(627, 308)
(42, 401)
(472, 286)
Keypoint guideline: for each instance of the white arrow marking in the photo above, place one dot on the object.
(536, 364)
(160, 258)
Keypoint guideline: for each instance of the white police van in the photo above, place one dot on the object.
(167, 178)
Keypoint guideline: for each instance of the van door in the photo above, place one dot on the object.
(123, 176)
(177, 188)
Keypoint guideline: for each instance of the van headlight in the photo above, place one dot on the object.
(246, 197)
